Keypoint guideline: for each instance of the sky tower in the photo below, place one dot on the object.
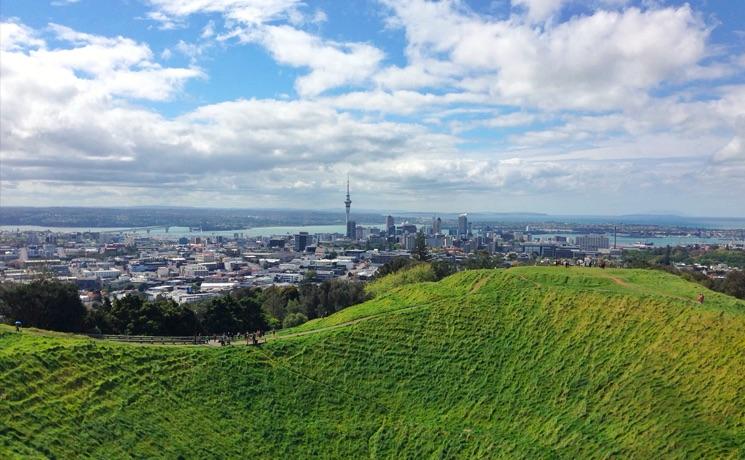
(347, 204)
(348, 201)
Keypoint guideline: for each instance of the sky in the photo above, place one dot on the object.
(556, 106)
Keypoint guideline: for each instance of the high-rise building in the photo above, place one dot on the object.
(302, 240)
(436, 225)
(592, 242)
(463, 225)
(351, 229)
(390, 226)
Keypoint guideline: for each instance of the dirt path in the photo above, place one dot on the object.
(618, 281)
(479, 283)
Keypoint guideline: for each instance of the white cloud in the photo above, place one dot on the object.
(252, 12)
(208, 31)
(65, 120)
(729, 161)
(567, 107)
(332, 64)
(16, 36)
(540, 10)
(605, 60)
(63, 2)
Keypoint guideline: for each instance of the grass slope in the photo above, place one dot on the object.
(528, 362)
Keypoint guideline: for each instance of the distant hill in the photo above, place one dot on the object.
(519, 363)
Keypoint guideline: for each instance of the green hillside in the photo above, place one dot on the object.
(528, 362)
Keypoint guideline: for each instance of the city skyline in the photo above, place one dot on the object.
(558, 107)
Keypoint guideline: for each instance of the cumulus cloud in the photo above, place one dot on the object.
(604, 60)
(729, 161)
(16, 36)
(64, 120)
(539, 10)
(532, 106)
(332, 64)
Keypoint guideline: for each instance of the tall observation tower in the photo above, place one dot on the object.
(347, 204)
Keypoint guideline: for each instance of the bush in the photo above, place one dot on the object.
(294, 319)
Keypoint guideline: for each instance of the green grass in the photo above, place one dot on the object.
(414, 274)
(522, 363)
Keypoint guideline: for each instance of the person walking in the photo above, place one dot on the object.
(18, 325)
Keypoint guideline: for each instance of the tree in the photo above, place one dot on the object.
(481, 260)
(44, 303)
(666, 258)
(294, 319)
(443, 268)
(394, 265)
(734, 284)
(420, 251)
(310, 276)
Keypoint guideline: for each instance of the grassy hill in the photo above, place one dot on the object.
(528, 362)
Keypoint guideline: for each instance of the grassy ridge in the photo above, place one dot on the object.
(530, 362)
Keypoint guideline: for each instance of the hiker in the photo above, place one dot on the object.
(18, 326)
(700, 297)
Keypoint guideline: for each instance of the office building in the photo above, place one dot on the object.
(592, 242)
(302, 240)
(436, 226)
(463, 225)
(390, 225)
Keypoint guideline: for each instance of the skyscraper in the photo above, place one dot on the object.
(463, 225)
(436, 225)
(390, 226)
(301, 241)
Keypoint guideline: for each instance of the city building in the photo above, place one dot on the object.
(302, 240)
(592, 242)
(390, 225)
(436, 226)
(463, 225)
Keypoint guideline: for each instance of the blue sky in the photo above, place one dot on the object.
(559, 106)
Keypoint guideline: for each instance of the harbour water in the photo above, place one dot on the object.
(177, 232)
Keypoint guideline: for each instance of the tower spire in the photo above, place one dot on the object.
(347, 204)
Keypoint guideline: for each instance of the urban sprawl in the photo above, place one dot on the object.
(194, 268)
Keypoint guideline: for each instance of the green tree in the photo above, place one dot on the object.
(294, 319)
(734, 284)
(443, 268)
(420, 251)
(44, 303)
(394, 265)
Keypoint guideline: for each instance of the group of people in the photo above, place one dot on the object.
(601, 263)
(252, 338)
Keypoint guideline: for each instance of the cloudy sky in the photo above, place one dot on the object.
(558, 106)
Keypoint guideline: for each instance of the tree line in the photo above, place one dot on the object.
(664, 259)
(54, 305)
